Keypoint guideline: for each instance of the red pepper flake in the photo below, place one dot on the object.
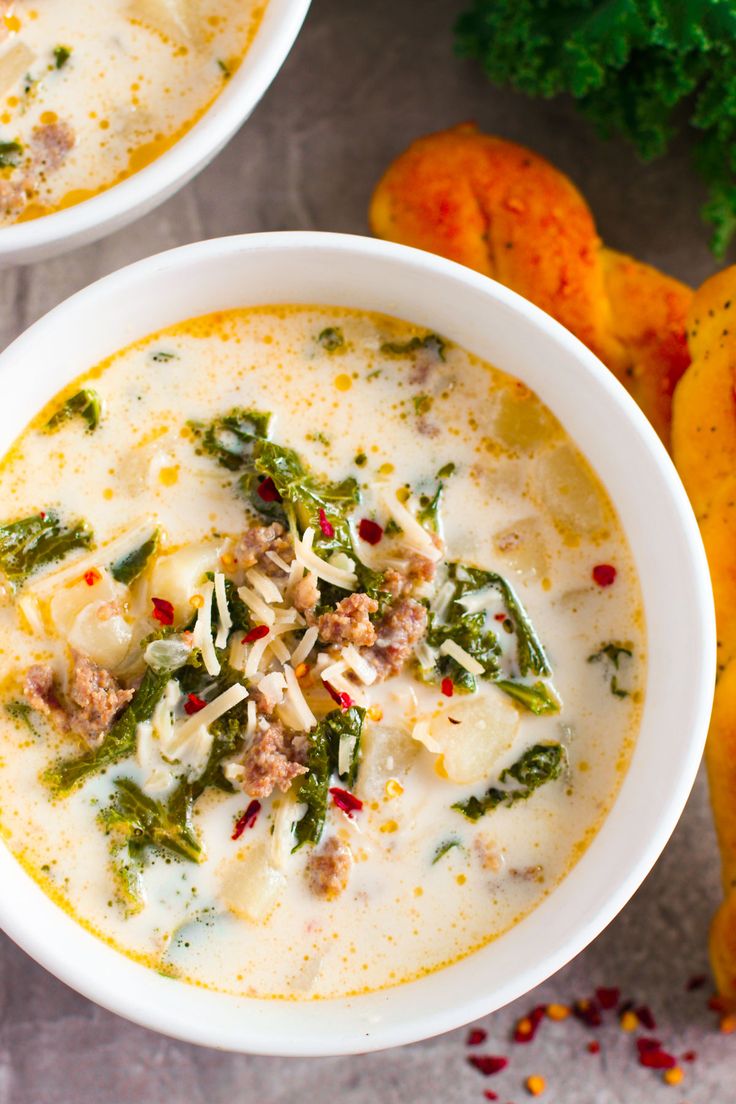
(645, 1017)
(92, 576)
(267, 492)
(527, 1027)
(697, 981)
(488, 1064)
(717, 1003)
(489, 1094)
(645, 1043)
(247, 820)
(499, 617)
(256, 633)
(343, 700)
(604, 575)
(447, 687)
(163, 611)
(657, 1059)
(193, 704)
(476, 1036)
(346, 801)
(593, 1047)
(588, 1012)
(369, 531)
(690, 1056)
(607, 997)
(326, 526)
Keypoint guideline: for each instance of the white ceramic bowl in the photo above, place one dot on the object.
(117, 206)
(496, 324)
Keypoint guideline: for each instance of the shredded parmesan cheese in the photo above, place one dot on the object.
(358, 665)
(272, 686)
(442, 599)
(297, 701)
(452, 649)
(202, 635)
(255, 655)
(309, 560)
(304, 646)
(29, 608)
(275, 558)
(265, 586)
(413, 535)
(207, 716)
(279, 649)
(478, 600)
(256, 605)
(424, 654)
(223, 613)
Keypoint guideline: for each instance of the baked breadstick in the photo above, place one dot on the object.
(506, 212)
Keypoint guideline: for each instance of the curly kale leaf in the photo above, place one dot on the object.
(127, 569)
(86, 404)
(10, 154)
(639, 68)
(144, 822)
(322, 763)
(539, 764)
(230, 439)
(35, 541)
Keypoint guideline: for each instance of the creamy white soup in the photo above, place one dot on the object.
(91, 91)
(323, 651)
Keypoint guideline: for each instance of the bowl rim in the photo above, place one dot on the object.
(142, 190)
(135, 1003)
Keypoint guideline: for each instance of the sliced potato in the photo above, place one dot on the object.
(571, 492)
(523, 547)
(14, 64)
(251, 885)
(386, 753)
(522, 423)
(470, 736)
(68, 602)
(101, 634)
(177, 20)
(176, 577)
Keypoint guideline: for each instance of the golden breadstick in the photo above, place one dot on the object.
(704, 449)
(500, 209)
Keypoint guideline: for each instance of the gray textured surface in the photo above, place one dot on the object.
(363, 79)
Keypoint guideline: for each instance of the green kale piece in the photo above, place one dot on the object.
(331, 339)
(444, 847)
(10, 154)
(431, 342)
(62, 55)
(539, 764)
(324, 749)
(132, 564)
(637, 68)
(35, 541)
(239, 613)
(610, 655)
(539, 697)
(428, 513)
(119, 742)
(21, 711)
(470, 632)
(86, 404)
(231, 438)
(144, 822)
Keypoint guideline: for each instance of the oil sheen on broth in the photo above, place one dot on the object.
(91, 91)
(390, 640)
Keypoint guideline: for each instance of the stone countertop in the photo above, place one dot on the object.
(361, 82)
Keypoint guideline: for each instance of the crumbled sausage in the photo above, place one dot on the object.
(306, 593)
(403, 624)
(50, 144)
(489, 853)
(95, 697)
(260, 539)
(349, 622)
(419, 570)
(328, 869)
(270, 761)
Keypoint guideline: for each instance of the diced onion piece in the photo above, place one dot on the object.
(207, 716)
(256, 605)
(273, 686)
(234, 772)
(309, 559)
(335, 675)
(29, 608)
(251, 885)
(265, 586)
(345, 750)
(413, 535)
(478, 600)
(441, 601)
(101, 634)
(342, 561)
(157, 781)
(452, 649)
(275, 558)
(298, 702)
(279, 649)
(202, 635)
(167, 655)
(359, 665)
(223, 613)
(425, 655)
(305, 645)
(144, 750)
(162, 720)
(195, 751)
(14, 64)
(470, 736)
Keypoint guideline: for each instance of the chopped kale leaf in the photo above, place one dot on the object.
(129, 567)
(432, 343)
(35, 541)
(539, 764)
(331, 339)
(86, 404)
(323, 761)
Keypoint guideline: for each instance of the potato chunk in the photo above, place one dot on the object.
(251, 885)
(177, 576)
(470, 736)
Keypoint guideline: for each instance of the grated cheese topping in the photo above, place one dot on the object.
(202, 635)
(414, 535)
(207, 716)
(309, 560)
(223, 612)
(452, 649)
(297, 701)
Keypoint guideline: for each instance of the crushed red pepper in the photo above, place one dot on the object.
(488, 1064)
(697, 981)
(247, 820)
(607, 998)
(604, 575)
(267, 492)
(346, 801)
(343, 700)
(476, 1036)
(645, 1017)
(163, 611)
(193, 704)
(527, 1027)
(369, 531)
(489, 1094)
(447, 687)
(92, 576)
(326, 526)
(256, 633)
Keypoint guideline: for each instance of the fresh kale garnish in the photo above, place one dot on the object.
(433, 343)
(35, 541)
(428, 513)
(444, 847)
(132, 564)
(539, 764)
(324, 748)
(539, 697)
(331, 339)
(145, 822)
(447, 470)
(10, 154)
(231, 438)
(86, 404)
(610, 655)
(62, 55)
(470, 632)
(118, 743)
